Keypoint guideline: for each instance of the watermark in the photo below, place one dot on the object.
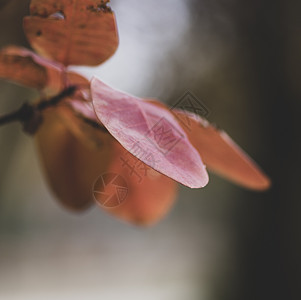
(191, 104)
(134, 159)
(164, 136)
(110, 190)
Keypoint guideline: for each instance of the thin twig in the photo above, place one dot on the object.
(26, 111)
(11, 117)
(56, 99)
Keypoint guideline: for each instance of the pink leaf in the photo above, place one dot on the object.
(221, 154)
(84, 109)
(150, 133)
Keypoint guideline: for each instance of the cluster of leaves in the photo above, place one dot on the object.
(97, 129)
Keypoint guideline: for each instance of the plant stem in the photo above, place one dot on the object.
(11, 117)
(26, 111)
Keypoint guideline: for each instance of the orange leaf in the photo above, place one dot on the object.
(26, 68)
(82, 93)
(221, 154)
(82, 122)
(71, 166)
(80, 81)
(73, 32)
(149, 194)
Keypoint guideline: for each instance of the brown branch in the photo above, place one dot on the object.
(56, 99)
(30, 114)
(13, 116)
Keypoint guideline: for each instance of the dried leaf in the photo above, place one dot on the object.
(73, 32)
(146, 194)
(26, 68)
(221, 154)
(150, 133)
(71, 166)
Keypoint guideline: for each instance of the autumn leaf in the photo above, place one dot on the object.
(150, 133)
(220, 153)
(94, 131)
(73, 32)
(80, 118)
(71, 165)
(24, 67)
(83, 85)
(150, 194)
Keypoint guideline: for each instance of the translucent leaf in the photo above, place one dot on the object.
(71, 166)
(221, 154)
(26, 68)
(73, 32)
(150, 133)
(147, 195)
(75, 155)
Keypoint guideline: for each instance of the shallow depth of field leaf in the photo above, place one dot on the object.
(83, 123)
(82, 84)
(26, 68)
(73, 32)
(150, 194)
(96, 132)
(71, 166)
(150, 133)
(221, 154)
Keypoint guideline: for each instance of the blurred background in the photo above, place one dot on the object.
(242, 59)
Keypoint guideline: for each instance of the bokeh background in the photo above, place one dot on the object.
(242, 59)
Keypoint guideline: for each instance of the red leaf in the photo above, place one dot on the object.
(149, 132)
(149, 194)
(26, 68)
(73, 32)
(82, 84)
(79, 117)
(221, 154)
(71, 164)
